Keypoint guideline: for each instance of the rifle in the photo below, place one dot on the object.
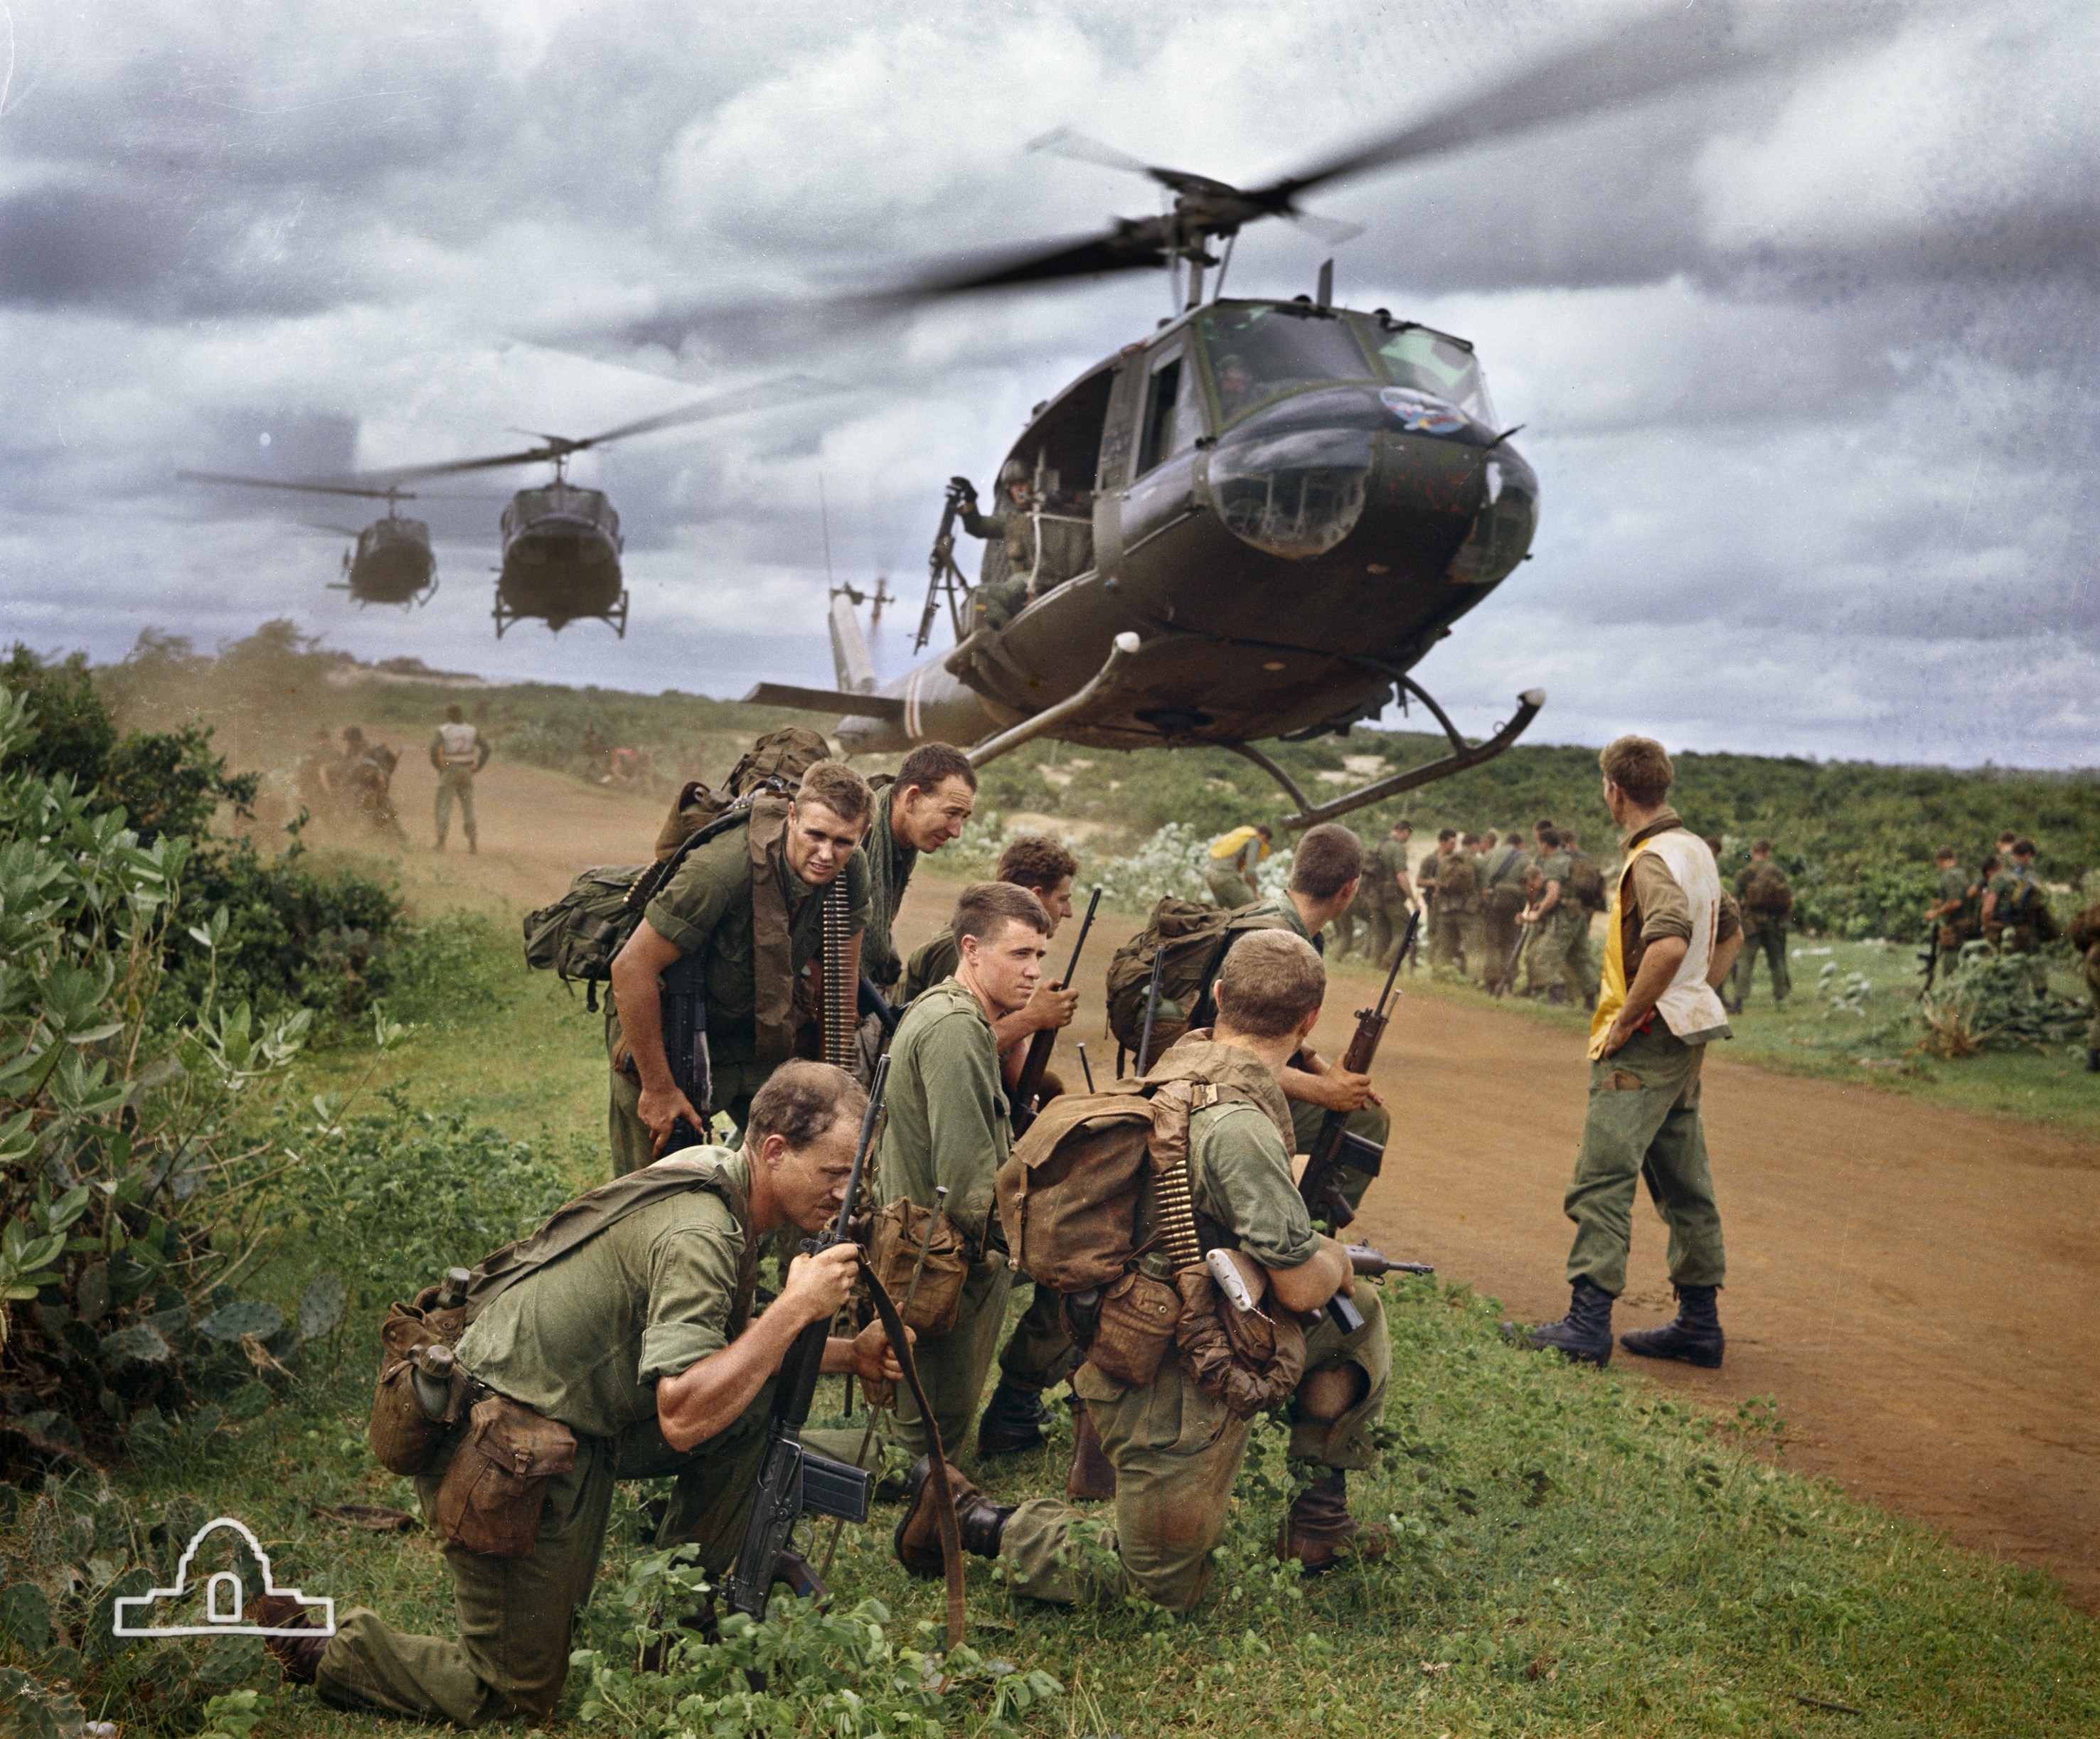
(684, 1004)
(1365, 1260)
(1334, 1149)
(792, 1480)
(1028, 1089)
(1928, 962)
(1506, 982)
(873, 1002)
(1151, 1009)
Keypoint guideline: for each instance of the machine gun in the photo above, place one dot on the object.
(873, 1002)
(1334, 1149)
(792, 1479)
(1028, 1089)
(942, 575)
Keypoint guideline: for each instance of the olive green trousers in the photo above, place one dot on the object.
(735, 1084)
(1177, 1453)
(1644, 1124)
(1039, 1354)
(1768, 939)
(1230, 889)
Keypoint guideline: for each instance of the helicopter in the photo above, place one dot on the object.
(562, 542)
(1253, 522)
(389, 561)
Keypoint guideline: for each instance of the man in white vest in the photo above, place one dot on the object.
(458, 752)
(1673, 933)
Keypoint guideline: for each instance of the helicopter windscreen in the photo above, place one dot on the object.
(1429, 363)
(1261, 351)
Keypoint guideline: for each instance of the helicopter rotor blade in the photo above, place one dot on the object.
(1070, 141)
(317, 525)
(314, 487)
(1133, 247)
(1652, 54)
(1329, 230)
(783, 389)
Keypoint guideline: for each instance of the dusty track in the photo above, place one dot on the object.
(1917, 1285)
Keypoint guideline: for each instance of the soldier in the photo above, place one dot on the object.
(947, 1124)
(640, 1341)
(926, 806)
(364, 777)
(1388, 893)
(458, 751)
(2015, 911)
(1502, 869)
(1556, 923)
(743, 901)
(1586, 882)
(1013, 523)
(1675, 932)
(315, 774)
(1946, 913)
(2085, 943)
(1455, 934)
(1766, 899)
(1234, 856)
(1175, 1447)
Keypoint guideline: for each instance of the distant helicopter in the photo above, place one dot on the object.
(1254, 521)
(389, 561)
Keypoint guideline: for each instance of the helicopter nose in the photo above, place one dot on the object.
(1292, 481)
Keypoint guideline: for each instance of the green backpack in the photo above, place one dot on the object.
(1194, 939)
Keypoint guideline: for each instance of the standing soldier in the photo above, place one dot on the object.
(2085, 942)
(1234, 857)
(1674, 935)
(1556, 923)
(1947, 912)
(948, 1125)
(749, 902)
(458, 752)
(1390, 891)
(1502, 869)
(1765, 898)
(1455, 931)
(2016, 913)
(1586, 882)
(633, 1350)
(365, 776)
(1173, 1485)
(1443, 927)
(926, 806)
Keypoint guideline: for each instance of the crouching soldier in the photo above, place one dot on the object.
(1218, 1180)
(615, 1341)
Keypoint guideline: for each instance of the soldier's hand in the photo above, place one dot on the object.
(1346, 1090)
(660, 1110)
(817, 1285)
(1052, 1006)
(874, 1360)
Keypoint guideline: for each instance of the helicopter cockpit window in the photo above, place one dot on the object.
(1429, 363)
(1172, 418)
(1260, 353)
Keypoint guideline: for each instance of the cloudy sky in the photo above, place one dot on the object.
(1807, 363)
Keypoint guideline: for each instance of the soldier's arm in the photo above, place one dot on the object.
(438, 750)
(1243, 1182)
(482, 751)
(1309, 1285)
(963, 1090)
(1326, 1084)
(637, 995)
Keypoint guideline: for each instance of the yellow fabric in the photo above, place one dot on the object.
(1612, 989)
(1232, 844)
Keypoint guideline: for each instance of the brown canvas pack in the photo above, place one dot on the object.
(1586, 882)
(1195, 938)
(1249, 1370)
(785, 755)
(493, 1491)
(1766, 889)
(1135, 1328)
(1068, 1192)
(929, 1307)
(404, 1438)
(2085, 928)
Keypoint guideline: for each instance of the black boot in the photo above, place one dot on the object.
(1584, 1334)
(1013, 1420)
(1319, 1531)
(982, 1523)
(1695, 1337)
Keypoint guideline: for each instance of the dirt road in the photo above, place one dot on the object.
(1917, 1285)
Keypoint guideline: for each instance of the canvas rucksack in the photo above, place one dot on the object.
(1766, 890)
(784, 755)
(2086, 929)
(1586, 882)
(1194, 938)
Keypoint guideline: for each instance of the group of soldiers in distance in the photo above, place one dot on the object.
(355, 785)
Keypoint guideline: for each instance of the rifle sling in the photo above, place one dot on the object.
(951, 1533)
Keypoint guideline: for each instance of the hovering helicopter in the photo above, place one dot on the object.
(389, 561)
(1253, 522)
(562, 542)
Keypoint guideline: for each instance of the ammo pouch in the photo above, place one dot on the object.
(1133, 1328)
(404, 1435)
(492, 1492)
(1250, 1362)
(899, 1229)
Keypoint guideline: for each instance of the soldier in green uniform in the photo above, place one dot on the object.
(1502, 869)
(2014, 911)
(948, 1124)
(1230, 868)
(745, 900)
(640, 1341)
(1556, 923)
(1765, 898)
(1585, 882)
(1454, 921)
(1947, 912)
(1177, 1449)
(1388, 892)
(926, 806)
(2084, 931)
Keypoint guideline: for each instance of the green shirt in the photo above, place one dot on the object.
(948, 1114)
(1389, 863)
(2013, 888)
(1501, 876)
(887, 867)
(1554, 867)
(585, 1339)
(707, 905)
(935, 960)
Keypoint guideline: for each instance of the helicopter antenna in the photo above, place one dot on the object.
(824, 519)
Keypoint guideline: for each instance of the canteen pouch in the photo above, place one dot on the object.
(492, 1493)
(404, 1438)
(1134, 1328)
(893, 1255)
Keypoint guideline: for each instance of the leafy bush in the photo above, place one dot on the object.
(1989, 1002)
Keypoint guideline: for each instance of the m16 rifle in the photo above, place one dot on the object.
(1505, 980)
(1028, 1089)
(793, 1481)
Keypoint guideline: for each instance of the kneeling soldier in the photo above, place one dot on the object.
(634, 1341)
(1176, 1445)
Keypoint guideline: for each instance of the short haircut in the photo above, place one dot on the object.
(839, 789)
(1544, 824)
(1032, 860)
(1470, 839)
(931, 763)
(1449, 833)
(455, 713)
(1328, 859)
(1264, 829)
(1270, 982)
(1403, 826)
(1641, 767)
(1761, 845)
(1490, 837)
(801, 1102)
(1946, 855)
(1567, 836)
(987, 907)
(1990, 863)
(1716, 845)
(1548, 837)
(2007, 837)
(2023, 848)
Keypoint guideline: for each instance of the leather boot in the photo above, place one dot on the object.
(919, 1529)
(1093, 1478)
(298, 1658)
(1584, 1334)
(1695, 1337)
(1319, 1531)
(1013, 1420)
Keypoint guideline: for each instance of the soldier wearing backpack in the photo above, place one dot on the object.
(747, 905)
(1585, 882)
(1557, 922)
(1194, 1159)
(927, 805)
(1767, 899)
(1455, 910)
(2016, 915)
(1502, 868)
